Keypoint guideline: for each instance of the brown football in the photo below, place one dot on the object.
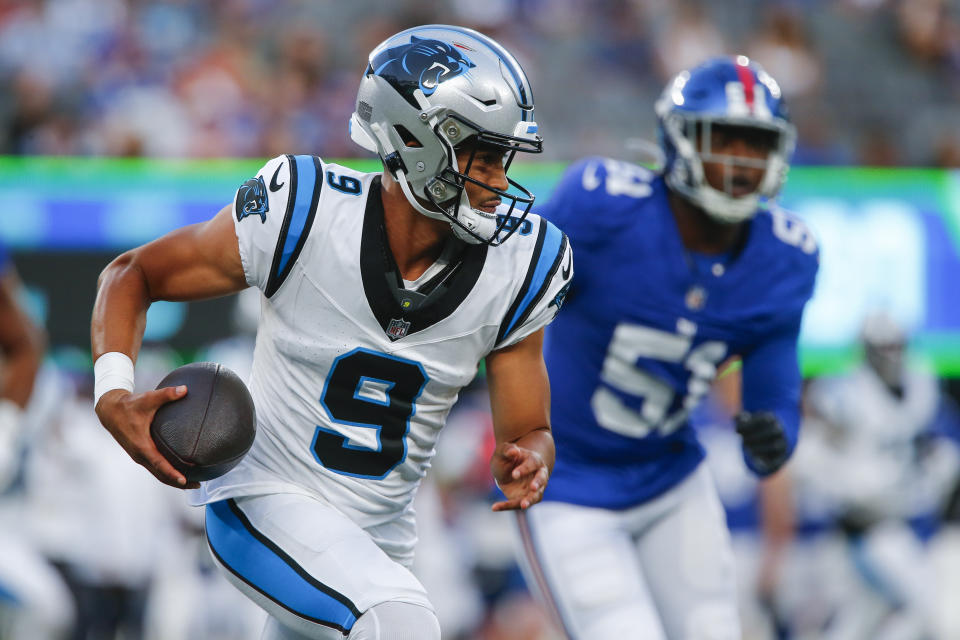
(205, 433)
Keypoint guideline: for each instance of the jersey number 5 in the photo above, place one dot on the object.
(620, 371)
(372, 391)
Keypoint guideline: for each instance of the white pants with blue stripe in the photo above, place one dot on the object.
(660, 570)
(305, 563)
(31, 591)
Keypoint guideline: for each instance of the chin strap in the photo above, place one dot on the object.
(386, 148)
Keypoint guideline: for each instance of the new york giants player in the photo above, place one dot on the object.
(676, 274)
(381, 294)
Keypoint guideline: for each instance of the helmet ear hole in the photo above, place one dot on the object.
(408, 138)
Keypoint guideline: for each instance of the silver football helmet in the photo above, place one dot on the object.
(884, 346)
(428, 90)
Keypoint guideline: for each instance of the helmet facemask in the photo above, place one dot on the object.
(691, 135)
(427, 92)
(447, 193)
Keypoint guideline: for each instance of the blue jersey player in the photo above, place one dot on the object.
(676, 273)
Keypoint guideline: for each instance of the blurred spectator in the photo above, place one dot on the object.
(690, 39)
(783, 47)
(175, 78)
(926, 28)
(947, 152)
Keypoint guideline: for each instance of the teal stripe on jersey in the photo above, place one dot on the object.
(552, 244)
(306, 183)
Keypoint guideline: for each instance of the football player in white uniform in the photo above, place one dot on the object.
(381, 293)
(873, 457)
(34, 601)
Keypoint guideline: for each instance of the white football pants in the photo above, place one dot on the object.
(661, 570)
(316, 572)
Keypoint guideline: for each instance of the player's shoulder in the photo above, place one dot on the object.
(598, 195)
(534, 267)
(290, 179)
(277, 208)
(789, 239)
(533, 239)
(616, 182)
(272, 192)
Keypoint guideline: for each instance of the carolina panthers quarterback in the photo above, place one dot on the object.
(678, 272)
(381, 293)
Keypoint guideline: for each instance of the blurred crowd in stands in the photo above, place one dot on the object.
(873, 82)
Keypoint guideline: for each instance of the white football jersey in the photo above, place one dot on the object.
(864, 456)
(351, 381)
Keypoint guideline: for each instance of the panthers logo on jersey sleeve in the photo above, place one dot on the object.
(272, 223)
(252, 199)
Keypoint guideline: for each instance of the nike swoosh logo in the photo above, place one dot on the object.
(566, 270)
(273, 181)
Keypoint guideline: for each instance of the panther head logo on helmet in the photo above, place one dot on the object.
(431, 90)
(422, 64)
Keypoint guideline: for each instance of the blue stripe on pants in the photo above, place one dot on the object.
(260, 563)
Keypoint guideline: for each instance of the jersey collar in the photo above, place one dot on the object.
(382, 283)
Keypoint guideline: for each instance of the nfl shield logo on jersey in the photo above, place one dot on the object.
(397, 329)
(696, 297)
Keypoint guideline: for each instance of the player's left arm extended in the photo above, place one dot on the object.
(520, 400)
(22, 346)
(770, 422)
(21, 342)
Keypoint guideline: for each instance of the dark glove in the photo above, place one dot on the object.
(764, 440)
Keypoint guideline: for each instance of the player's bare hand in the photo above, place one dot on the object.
(521, 474)
(127, 416)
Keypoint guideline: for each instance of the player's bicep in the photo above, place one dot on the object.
(194, 262)
(519, 388)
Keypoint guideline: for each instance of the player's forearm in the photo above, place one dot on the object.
(120, 311)
(21, 362)
(21, 342)
(539, 440)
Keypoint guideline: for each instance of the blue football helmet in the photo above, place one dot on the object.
(723, 91)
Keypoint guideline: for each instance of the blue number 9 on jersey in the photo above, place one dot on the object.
(373, 391)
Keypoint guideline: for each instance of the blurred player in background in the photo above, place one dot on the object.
(676, 274)
(382, 292)
(875, 457)
(34, 603)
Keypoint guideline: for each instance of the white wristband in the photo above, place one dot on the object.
(113, 370)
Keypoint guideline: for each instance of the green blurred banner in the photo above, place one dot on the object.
(890, 238)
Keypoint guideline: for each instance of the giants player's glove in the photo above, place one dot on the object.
(764, 440)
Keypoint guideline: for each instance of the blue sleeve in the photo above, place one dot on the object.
(566, 206)
(771, 380)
